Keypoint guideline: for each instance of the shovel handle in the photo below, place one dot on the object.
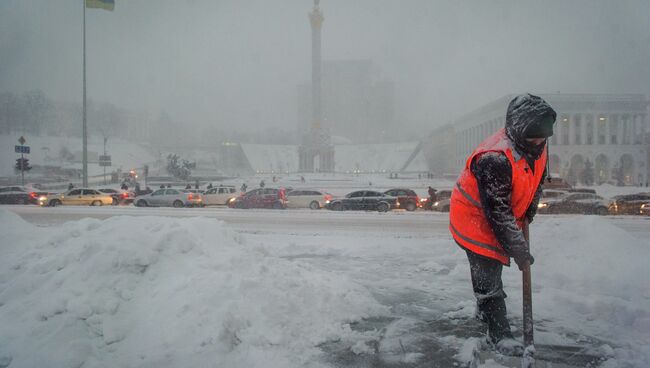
(527, 295)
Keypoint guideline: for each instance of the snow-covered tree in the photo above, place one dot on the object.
(179, 168)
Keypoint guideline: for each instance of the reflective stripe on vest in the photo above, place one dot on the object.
(467, 222)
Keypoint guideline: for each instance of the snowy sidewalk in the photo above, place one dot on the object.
(183, 292)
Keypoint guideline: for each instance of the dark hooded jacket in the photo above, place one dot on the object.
(528, 116)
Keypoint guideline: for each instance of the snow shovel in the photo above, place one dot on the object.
(528, 359)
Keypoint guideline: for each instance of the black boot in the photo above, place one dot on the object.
(494, 310)
(499, 332)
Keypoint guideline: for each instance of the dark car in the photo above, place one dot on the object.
(628, 204)
(407, 198)
(261, 198)
(18, 195)
(582, 203)
(582, 190)
(368, 200)
(556, 183)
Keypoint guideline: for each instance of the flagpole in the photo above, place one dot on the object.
(85, 133)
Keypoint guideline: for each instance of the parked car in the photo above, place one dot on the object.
(170, 197)
(78, 196)
(119, 196)
(556, 183)
(645, 209)
(552, 194)
(582, 203)
(364, 200)
(219, 195)
(307, 198)
(18, 195)
(628, 204)
(407, 198)
(582, 190)
(261, 198)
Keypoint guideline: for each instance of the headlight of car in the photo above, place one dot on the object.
(436, 204)
(327, 201)
(643, 206)
(542, 205)
(231, 200)
(423, 199)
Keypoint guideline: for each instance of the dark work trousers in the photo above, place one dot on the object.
(490, 297)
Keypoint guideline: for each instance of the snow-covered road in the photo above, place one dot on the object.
(124, 286)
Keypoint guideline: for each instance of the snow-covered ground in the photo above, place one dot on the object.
(160, 291)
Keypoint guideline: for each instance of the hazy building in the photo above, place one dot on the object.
(439, 149)
(607, 132)
(355, 105)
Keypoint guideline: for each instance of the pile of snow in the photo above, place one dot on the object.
(153, 291)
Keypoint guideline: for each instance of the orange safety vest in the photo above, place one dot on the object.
(467, 221)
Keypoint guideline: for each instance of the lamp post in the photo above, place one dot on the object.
(105, 139)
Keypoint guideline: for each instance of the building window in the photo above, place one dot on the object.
(601, 129)
(640, 129)
(613, 129)
(589, 125)
(625, 122)
(565, 130)
(578, 129)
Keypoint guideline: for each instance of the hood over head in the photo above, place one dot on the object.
(529, 116)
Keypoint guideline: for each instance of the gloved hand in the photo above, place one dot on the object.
(529, 216)
(520, 260)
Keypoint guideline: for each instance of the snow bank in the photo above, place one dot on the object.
(153, 291)
(590, 277)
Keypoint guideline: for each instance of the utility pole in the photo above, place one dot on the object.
(105, 139)
(85, 132)
(22, 170)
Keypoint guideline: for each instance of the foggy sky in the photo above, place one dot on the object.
(238, 62)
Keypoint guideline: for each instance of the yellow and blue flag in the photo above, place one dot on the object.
(101, 4)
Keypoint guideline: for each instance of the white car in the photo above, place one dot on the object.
(219, 195)
(169, 197)
(307, 198)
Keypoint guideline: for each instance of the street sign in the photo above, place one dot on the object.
(104, 158)
(22, 140)
(104, 163)
(22, 149)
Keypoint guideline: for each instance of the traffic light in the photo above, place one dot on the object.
(22, 164)
(26, 166)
